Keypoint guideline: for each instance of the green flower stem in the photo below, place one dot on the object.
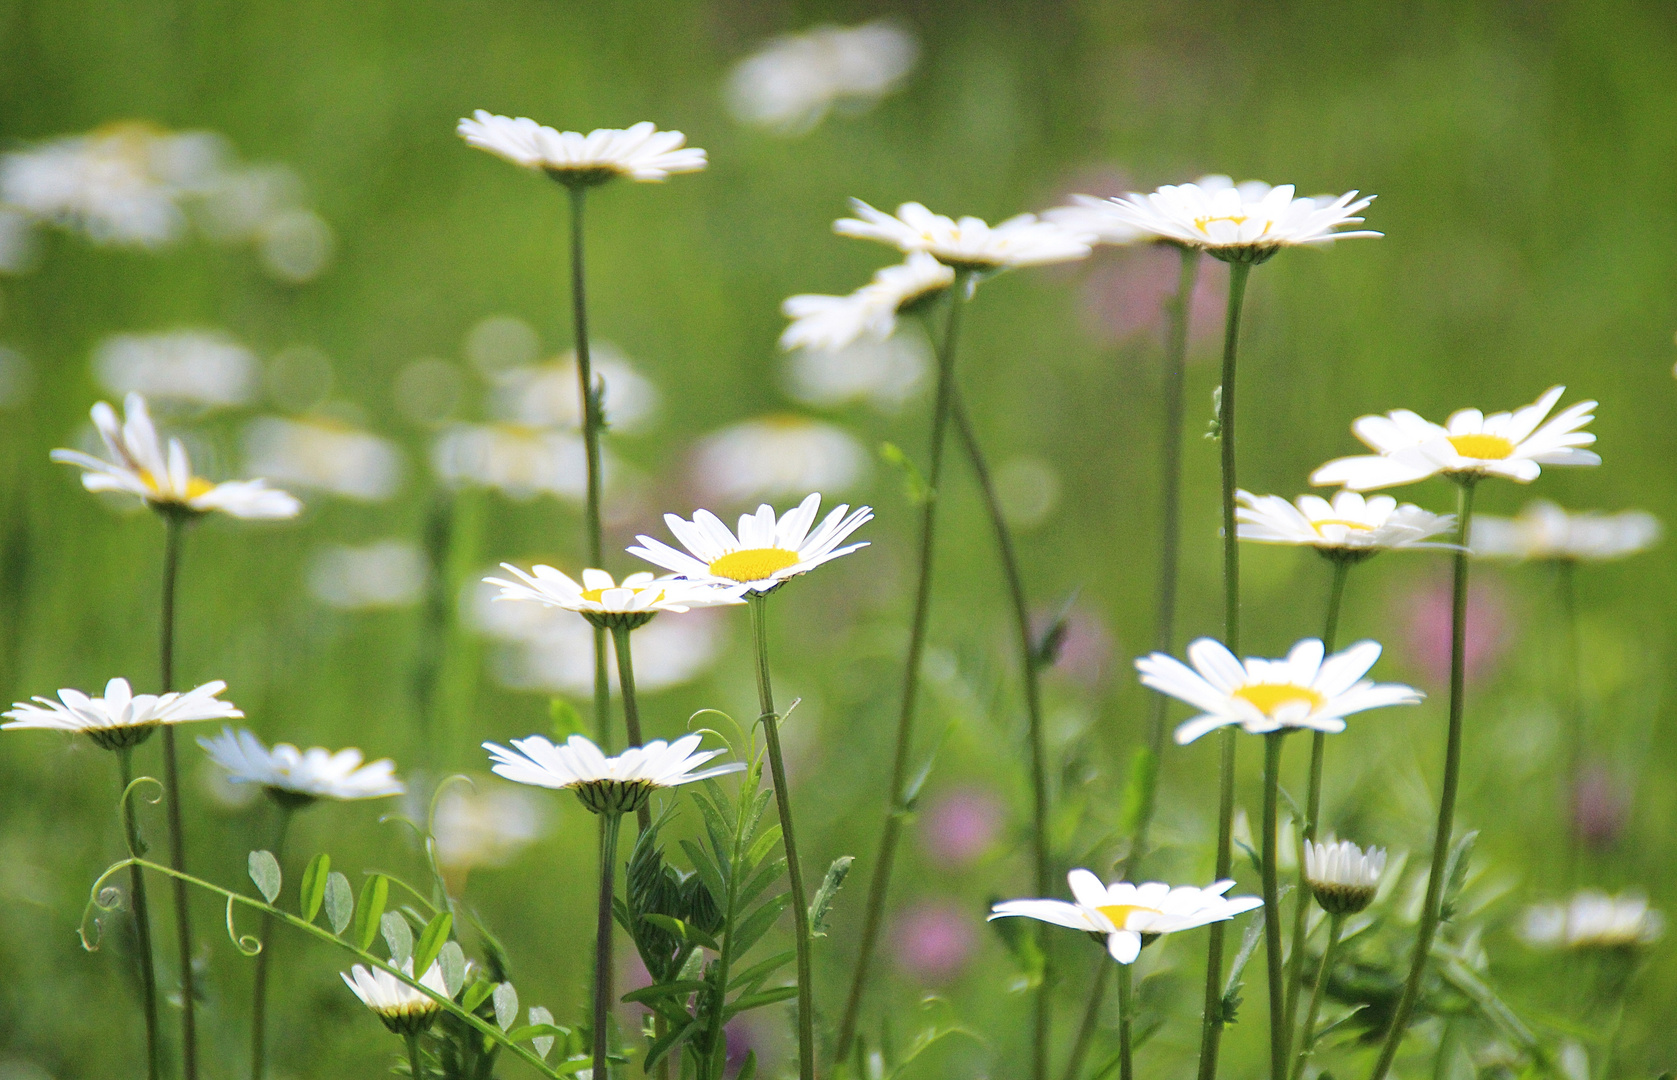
(1430, 909)
(1170, 512)
(610, 823)
(141, 911)
(1307, 1035)
(1091, 1017)
(1273, 743)
(414, 1067)
(1126, 1020)
(783, 804)
(896, 802)
(1030, 665)
(631, 707)
(259, 991)
(1313, 806)
(1211, 1027)
(174, 526)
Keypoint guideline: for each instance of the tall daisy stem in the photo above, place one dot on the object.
(631, 707)
(1313, 806)
(794, 871)
(174, 528)
(610, 823)
(415, 1066)
(1091, 1018)
(1273, 743)
(1430, 912)
(1126, 1021)
(259, 992)
(1307, 1035)
(1030, 665)
(591, 424)
(1211, 1026)
(141, 911)
(896, 799)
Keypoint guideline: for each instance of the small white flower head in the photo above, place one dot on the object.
(1545, 531)
(203, 367)
(791, 83)
(1244, 223)
(121, 718)
(482, 826)
(767, 552)
(519, 460)
(967, 244)
(776, 457)
(606, 785)
(1262, 696)
(325, 454)
(296, 778)
(641, 152)
(1129, 916)
(404, 1010)
(1593, 920)
(1469, 444)
(139, 466)
(606, 603)
(1349, 527)
(831, 323)
(1343, 877)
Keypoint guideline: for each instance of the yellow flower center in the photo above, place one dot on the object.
(1484, 447)
(1120, 913)
(195, 487)
(1320, 525)
(1270, 697)
(753, 564)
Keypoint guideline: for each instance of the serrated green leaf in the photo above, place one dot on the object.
(821, 906)
(340, 901)
(431, 942)
(398, 938)
(265, 871)
(369, 910)
(312, 891)
(452, 959)
(506, 1005)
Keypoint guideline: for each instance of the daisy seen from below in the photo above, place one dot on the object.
(767, 552)
(610, 785)
(1128, 915)
(1349, 526)
(1263, 696)
(1469, 445)
(294, 777)
(607, 603)
(1545, 531)
(1593, 919)
(121, 718)
(140, 466)
(830, 323)
(1244, 223)
(403, 1009)
(641, 152)
(1342, 876)
(969, 243)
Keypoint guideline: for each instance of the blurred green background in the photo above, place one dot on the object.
(1523, 154)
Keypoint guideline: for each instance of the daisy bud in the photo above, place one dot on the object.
(1342, 876)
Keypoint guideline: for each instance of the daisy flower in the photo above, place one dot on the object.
(967, 244)
(1246, 223)
(614, 785)
(121, 718)
(404, 1010)
(1129, 916)
(1593, 920)
(830, 323)
(1469, 444)
(607, 604)
(1342, 876)
(1096, 218)
(1545, 531)
(1349, 526)
(641, 152)
(766, 554)
(1302, 691)
(138, 466)
(294, 778)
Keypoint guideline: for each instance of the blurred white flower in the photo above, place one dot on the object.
(1350, 523)
(1245, 222)
(428, 390)
(242, 200)
(885, 374)
(121, 718)
(295, 246)
(641, 152)
(403, 1009)
(296, 777)
(501, 341)
(204, 367)
(1127, 914)
(17, 241)
(1342, 876)
(830, 323)
(776, 456)
(792, 82)
(1545, 531)
(967, 244)
(383, 574)
(1028, 489)
(767, 552)
(521, 462)
(1096, 218)
(323, 453)
(1593, 920)
(547, 395)
(485, 826)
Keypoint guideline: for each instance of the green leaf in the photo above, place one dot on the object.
(761, 971)
(506, 1005)
(431, 942)
(757, 924)
(265, 871)
(1215, 430)
(765, 875)
(539, 1015)
(340, 901)
(748, 1070)
(1137, 805)
(564, 719)
(821, 906)
(670, 1041)
(757, 1001)
(1232, 988)
(911, 793)
(369, 910)
(452, 959)
(683, 930)
(678, 988)
(915, 488)
(766, 842)
(398, 938)
(477, 994)
(705, 867)
(313, 889)
(1455, 874)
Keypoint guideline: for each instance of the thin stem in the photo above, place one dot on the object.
(1447, 796)
(1273, 743)
(174, 527)
(1126, 1019)
(591, 423)
(610, 823)
(141, 911)
(896, 809)
(1307, 1035)
(1211, 1026)
(414, 1066)
(1029, 665)
(1313, 808)
(259, 992)
(783, 804)
(1170, 511)
(1567, 587)
(1091, 1017)
(631, 707)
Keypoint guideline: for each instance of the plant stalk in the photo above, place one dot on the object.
(259, 992)
(1126, 1020)
(610, 823)
(1307, 1034)
(631, 707)
(1273, 743)
(174, 527)
(414, 1066)
(141, 911)
(1430, 909)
